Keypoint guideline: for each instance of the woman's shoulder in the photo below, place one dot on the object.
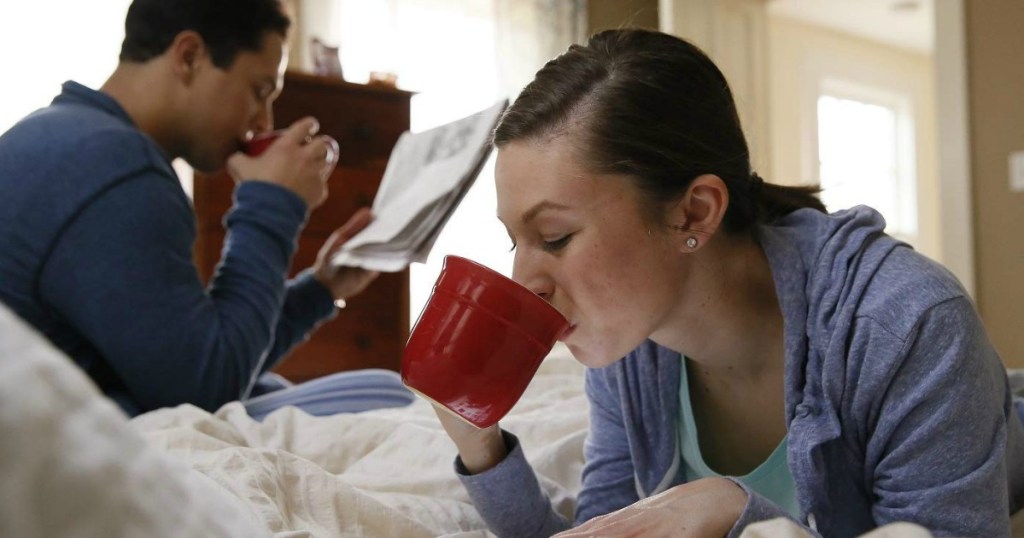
(855, 270)
(905, 288)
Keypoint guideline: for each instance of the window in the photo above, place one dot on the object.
(46, 43)
(459, 57)
(866, 154)
(58, 40)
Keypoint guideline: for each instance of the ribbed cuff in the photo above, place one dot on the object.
(508, 496)
(758, 508)
(310, 293)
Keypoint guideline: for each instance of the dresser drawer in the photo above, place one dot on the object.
(366, 121)
(349, 189)
(369, 332)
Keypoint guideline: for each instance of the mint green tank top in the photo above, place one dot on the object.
(772, 479)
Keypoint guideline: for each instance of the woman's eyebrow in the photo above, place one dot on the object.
(542, 206)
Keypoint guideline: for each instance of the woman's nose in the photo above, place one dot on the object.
(532, 276)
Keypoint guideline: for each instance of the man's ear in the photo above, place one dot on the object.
(698, 215)
(187, 53)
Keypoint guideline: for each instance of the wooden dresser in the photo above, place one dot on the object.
(366, 121)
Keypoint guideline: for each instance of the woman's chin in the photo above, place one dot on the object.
(591, 358)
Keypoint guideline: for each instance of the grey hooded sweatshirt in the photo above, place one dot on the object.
(897, 406)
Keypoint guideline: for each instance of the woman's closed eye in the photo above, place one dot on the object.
(555, 245)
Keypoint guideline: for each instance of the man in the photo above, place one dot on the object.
(96, 232)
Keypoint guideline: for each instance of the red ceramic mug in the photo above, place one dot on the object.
(478, 342)
(260, 142)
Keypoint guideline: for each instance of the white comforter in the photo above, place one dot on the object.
(72, 465)
(388, 473)
(380, 473)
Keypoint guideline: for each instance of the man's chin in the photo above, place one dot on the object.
(208, 166)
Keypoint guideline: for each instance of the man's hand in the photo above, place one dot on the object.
(708, 507)
(298, 161)
(344, 282)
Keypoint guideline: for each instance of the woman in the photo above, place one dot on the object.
(751, 356)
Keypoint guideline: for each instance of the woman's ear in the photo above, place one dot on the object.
(698, 215)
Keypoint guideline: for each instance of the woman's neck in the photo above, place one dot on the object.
(729, 321)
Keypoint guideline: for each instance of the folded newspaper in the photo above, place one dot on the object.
(427, 176)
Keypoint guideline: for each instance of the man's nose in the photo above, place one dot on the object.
(264, 120)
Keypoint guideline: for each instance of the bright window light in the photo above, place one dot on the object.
(48, 42)
(864, 158)
(53, 41)
(445, 51)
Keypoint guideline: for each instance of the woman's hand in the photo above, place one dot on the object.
(702, 508)
(480, 449)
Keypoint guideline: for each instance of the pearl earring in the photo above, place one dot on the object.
(691, 242)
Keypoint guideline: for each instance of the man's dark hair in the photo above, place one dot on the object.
(227, 26)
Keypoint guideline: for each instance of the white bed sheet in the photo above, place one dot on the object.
(388, 473)
(72, 465)
(380, 473)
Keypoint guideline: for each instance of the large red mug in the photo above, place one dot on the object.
(478, 342)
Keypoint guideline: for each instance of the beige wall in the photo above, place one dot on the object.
(799, 55)
(996, 107)
(604, 14)
(733, 33)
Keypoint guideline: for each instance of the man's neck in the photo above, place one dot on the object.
(146, 96)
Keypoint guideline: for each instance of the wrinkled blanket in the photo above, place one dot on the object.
(379, 473)
(71, 464)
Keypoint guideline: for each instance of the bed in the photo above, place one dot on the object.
(385, 472)
(71, 464)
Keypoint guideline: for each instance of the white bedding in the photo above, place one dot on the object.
(380, 473)
(72, 465)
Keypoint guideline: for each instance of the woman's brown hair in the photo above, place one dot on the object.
(656, 108)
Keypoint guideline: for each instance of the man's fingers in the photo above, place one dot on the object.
(332, 149)
(301, 131)
(359, 220)
(356, 223)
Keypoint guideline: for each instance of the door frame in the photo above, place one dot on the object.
(956, 224)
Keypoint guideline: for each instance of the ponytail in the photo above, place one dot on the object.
(771, 201)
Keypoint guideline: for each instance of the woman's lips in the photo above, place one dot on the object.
(565, 334)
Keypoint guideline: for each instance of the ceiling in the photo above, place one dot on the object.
(907, 24)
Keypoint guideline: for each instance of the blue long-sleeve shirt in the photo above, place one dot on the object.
(897, 406)
(96, 238)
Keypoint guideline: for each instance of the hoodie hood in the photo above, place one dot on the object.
(822, 265)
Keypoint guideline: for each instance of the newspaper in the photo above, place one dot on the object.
(426, 177)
